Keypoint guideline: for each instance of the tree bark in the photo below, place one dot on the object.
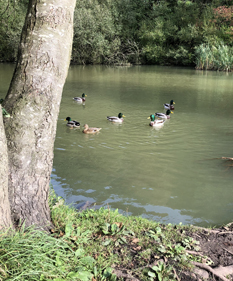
(33, 100)
(5, 218)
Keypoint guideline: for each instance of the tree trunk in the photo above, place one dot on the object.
(5, 218)
(33, 100)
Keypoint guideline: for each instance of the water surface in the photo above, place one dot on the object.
(170, 174)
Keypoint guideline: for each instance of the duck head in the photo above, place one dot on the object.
(68, 119)
(120, 115)
(83, 97)
(152, 117)
(168, 112)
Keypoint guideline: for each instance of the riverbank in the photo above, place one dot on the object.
(105, 245)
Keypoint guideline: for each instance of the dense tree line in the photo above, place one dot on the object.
(166, 32)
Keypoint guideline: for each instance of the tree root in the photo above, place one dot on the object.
(219, 271)
(178, 279)
(195, 253)
(230, 252)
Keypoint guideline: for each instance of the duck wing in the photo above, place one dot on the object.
(112, 118)
(94, 130)
(161, 115)
(77, 99)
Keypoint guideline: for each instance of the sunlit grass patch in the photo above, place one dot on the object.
(94, 245)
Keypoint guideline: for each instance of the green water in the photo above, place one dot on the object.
(169, 174)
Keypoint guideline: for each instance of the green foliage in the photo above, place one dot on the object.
(11, 22)
(134, 31)
(161, 271)
(95, 36)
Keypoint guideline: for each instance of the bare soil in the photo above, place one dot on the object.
(217, 245)
(215, 251)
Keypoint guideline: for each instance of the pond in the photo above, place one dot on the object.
(170, 174)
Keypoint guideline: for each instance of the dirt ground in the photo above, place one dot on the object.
(215, 251)
(217, 245)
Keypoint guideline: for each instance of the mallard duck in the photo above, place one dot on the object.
(164, 115)
(72, 124)
(92, 130)
(155, 122)
(118, 119)
(169, 106)
(82, 99)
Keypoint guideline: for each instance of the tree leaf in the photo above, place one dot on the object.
(151, 274)
(124, 240)
(82, 275)
(107, 242)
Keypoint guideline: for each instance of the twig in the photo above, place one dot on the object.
(195, 253)
(227, 158)
(228, 251)
(176, 274)
(225, 232)
(206, 229)
(210, 269)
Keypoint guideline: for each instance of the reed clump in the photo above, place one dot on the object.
(218, 57)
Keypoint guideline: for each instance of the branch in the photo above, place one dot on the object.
(5, 10)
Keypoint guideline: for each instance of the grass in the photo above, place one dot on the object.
(94, 245)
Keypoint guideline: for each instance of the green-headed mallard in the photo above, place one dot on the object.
(169, 106)
(92, 130)
(72, 123)
(155, 122)
(164, 115)
(82, 99)
(118, 119)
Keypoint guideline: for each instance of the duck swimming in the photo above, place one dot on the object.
(164, 115)
(155, 122)
(82, 99)
(72, 124)
(169, 106)
(118, 119)
(92, 130)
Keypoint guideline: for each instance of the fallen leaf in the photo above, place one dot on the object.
(135, 240)
(137, 248)
(119, 224)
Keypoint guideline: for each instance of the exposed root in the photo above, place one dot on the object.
(195, 253)
(218, 272)
(178, 279)
(230, 252)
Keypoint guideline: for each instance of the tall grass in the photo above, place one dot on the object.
(219, 57)
(33, 255)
